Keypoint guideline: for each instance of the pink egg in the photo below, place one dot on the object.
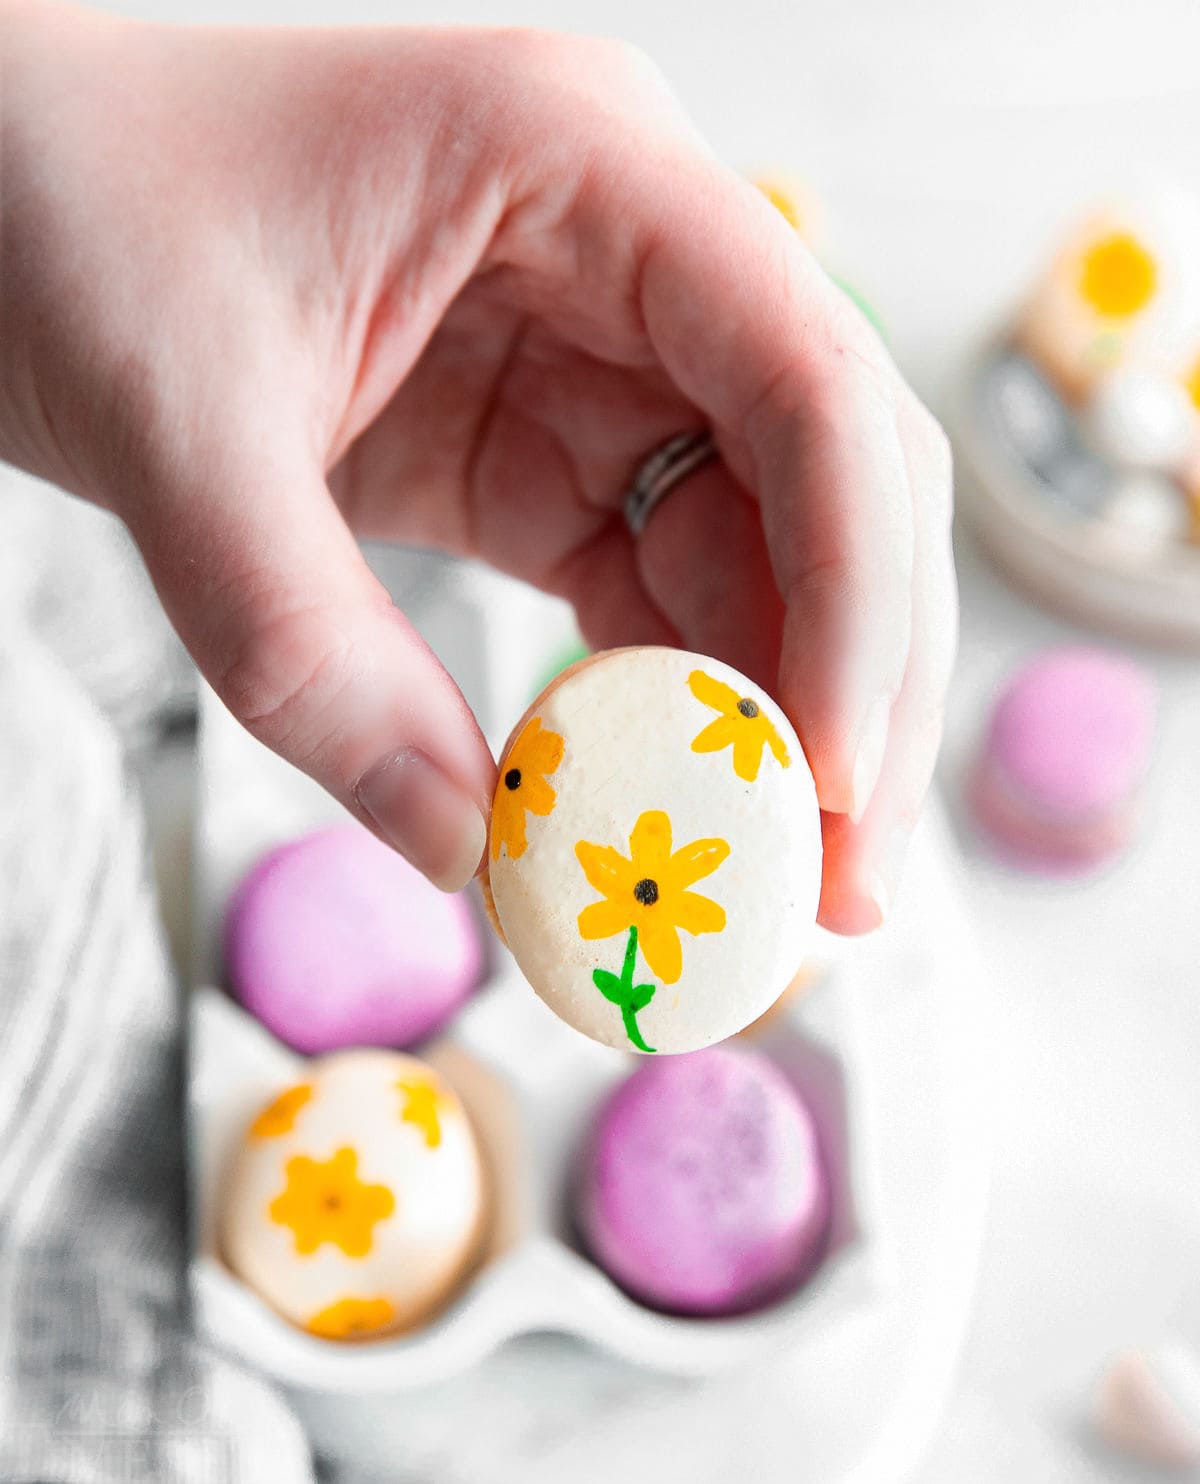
(1059, 777)
(333, 940)
(703, 1190)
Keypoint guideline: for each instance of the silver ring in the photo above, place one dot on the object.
(658, 475)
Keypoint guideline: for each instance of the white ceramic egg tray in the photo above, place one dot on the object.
(530, 1082)
(1045, 526)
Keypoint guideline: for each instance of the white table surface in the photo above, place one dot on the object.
(947, 139)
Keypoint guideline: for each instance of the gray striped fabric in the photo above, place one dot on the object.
(99, 1377)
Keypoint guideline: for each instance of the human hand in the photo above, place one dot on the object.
(262, 292)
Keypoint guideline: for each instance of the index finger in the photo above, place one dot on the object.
(799, 392)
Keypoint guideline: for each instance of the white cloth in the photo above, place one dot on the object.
(99, 1378)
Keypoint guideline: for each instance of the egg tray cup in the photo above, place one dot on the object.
(531, 1085)
(1049, 533)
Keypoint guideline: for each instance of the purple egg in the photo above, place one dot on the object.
(1058, 782)
(702, 1190)
(334, 940)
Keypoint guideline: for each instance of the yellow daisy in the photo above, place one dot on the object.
(649, 891)
(351, 1319)
(741, 725)
(1118, 276)
(325, 1201)
(522, 787)
(280, 1116)
(422, 1100)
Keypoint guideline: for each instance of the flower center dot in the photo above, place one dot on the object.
(646, 891)
(748, 707)
(512, 779)
(333, 1202)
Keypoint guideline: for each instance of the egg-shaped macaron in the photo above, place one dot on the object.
(334, 940)
(1124, 288)
(1140, 419)
(1058, 781)
(702, 1188)
(655, 851)
(1147, 515)
(356, 1202)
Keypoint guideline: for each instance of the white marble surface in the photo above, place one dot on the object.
(947, 139)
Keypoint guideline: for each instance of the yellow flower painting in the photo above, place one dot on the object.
(649, 891)
(279, 1117)
(325, 1201)
(422, 1102)
(741, 725)
(1118, 276)
(352, 1319)
(522, 788)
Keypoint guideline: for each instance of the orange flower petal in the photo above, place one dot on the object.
(659, 942)
(716, 735)
(747, 753)
(714, 693)
(700, 858)
(603, 919)
(350, 1317)
(538, 796)
(776, 744)
(280, 1117)
(543, 750)
(650, 844)
(508, 823)
(696, 914)
(606, 869)
(421, 1103)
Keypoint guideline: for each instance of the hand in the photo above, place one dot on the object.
(263, 290)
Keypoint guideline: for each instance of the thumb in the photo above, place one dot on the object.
(279, 609)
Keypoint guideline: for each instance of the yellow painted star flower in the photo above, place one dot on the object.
(325, 1201)
(741, 725)
(422, 1099)
(1118, 276)
(649, 891)
(280, 1116)
(522, 787)
(351, 1319)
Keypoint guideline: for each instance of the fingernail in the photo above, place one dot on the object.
(886, 877)
(868, 760)
(427, 818)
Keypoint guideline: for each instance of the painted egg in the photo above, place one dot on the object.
(333, 940)
(1139, 419)
(1147, 513)
(356, 1203)
(1124, 288)
(655, 853)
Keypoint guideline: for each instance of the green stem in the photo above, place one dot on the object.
(628, 1013)
(620, 990)
(630, 958)
(629, 1017)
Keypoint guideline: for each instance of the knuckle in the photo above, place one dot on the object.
(284, 677)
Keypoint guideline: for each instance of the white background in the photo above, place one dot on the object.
(947, 139)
